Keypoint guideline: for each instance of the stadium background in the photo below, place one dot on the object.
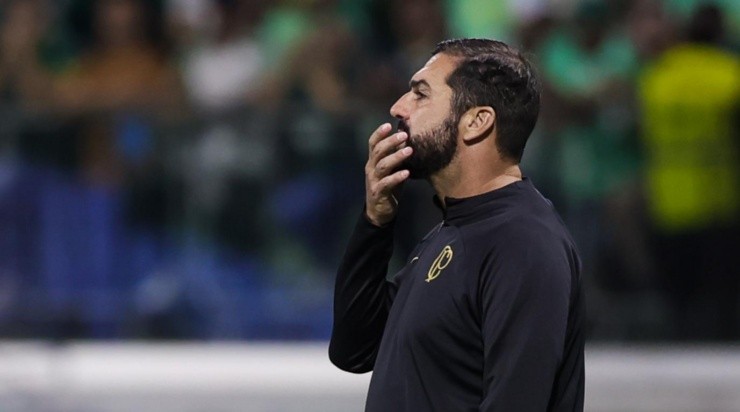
(189, 170)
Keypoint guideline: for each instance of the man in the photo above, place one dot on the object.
(487, 314)
(691, 137)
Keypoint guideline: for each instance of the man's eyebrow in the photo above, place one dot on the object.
(415, 84)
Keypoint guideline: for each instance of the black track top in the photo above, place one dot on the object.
(486, 315)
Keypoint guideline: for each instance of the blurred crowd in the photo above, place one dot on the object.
(190, 169)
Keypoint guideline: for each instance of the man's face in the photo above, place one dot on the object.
(425, 114)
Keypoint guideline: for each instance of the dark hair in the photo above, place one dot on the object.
(80, 17)
(491, 73)
(706, 24)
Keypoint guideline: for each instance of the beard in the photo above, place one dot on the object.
(433, 149)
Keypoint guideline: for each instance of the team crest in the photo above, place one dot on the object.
(441, 262)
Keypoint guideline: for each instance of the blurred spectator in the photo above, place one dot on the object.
(416, 26)
(35, 47)
(219, 143)
(222, 69)
(689, 100)
(318, 89)
(651, 28)
(313, 56)
(23, 27)
(320, 69)
(683, 10)
(482, 18)
(285, 24)
(122, 71)
(227, 154)
(123, 64)
(589, 65)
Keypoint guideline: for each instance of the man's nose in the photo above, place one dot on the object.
(399, 109)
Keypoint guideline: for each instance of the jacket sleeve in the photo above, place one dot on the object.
(362, 298)
(524, 295)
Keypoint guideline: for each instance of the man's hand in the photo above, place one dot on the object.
(382, 177)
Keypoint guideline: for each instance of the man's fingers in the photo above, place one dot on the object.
(382, 141)
(387, 184)
(381, 175)
(391, 162)
(379, 134)
(386, 146)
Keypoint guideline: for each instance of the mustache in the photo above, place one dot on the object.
(403, 127)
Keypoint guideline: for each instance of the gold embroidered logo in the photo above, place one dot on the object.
(441, 262)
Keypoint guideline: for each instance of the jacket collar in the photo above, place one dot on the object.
(462, 211)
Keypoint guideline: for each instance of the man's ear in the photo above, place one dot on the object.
(477, 123)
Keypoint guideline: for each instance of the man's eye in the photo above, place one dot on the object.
(419, 96)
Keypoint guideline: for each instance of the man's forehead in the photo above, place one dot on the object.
(436, 70)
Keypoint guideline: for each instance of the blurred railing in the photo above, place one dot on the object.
(37, 377)
(220, 227)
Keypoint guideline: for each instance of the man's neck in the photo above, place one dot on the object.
(463, 182)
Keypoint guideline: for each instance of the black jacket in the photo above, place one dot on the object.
(486, 315)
